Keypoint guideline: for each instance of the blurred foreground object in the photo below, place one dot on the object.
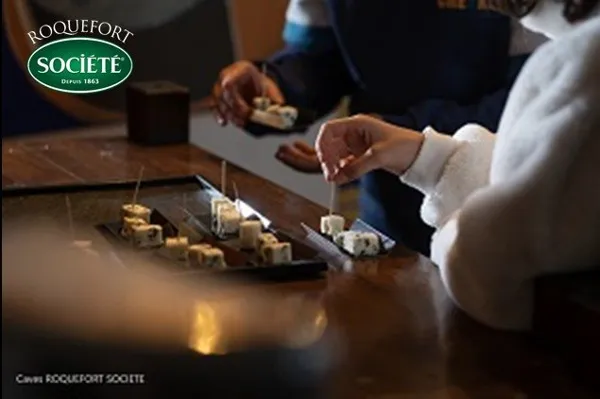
(69, 315)
(135, 14)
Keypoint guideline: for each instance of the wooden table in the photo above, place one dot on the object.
(403, 336)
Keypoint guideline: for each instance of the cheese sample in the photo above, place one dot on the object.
(228, 221)
(358, 243)
(211, 257)
(147, 236)
(263, 240)
(261, 103)
(278, 253)
(129, 224)
(136, 211)
(194, 250)
(332, 225)
(216, 203)
(249, 232)
(178, 247)
(288, 115)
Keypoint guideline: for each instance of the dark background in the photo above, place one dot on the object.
(189, 50)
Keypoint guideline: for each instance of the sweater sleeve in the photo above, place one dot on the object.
(448, 169)
(539, 213)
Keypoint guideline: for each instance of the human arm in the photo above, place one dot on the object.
(309, 73)
(448, 116)
(540, 213)
(310, 70)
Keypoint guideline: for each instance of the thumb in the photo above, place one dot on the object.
(305, 148)
(273, 92)
(358, 166)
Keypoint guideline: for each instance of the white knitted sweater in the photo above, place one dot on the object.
(525, 202)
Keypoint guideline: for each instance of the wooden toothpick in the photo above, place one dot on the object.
(264, 84)
(332, 199)
(70, 216)
(237, 196)
(235, 191)
(224, 178)
(184, 207)
(137, 187)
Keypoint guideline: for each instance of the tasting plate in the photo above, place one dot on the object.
(336, 255)
(196, 225)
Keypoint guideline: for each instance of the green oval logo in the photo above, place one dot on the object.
(80, 65)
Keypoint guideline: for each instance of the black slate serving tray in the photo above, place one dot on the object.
(305, 265)
(336, 255)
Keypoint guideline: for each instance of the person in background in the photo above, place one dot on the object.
(414, 63)
(512, 207)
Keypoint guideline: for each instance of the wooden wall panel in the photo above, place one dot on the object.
(256, 26)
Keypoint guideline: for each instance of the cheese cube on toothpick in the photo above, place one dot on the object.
(332, 224)
(249, 232)
(178, 247)
(228, 221)
(216, 203)
(136, 211)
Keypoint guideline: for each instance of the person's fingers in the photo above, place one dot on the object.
(305, 148)
(354, 168)
(331, 146)
(214, 106)
(273, 92)
(298, 160)
(238, 108)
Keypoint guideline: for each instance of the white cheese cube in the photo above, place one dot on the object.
(263, 240)
(261, 103)
(194, 250)
(178, 247)
(278, 253)
(359, 243)
(216, 206)
(216, 203)
(211, 257)
(129, 224)
(288, 115)
(147, 236)
(332, 225)
(249, 232)
(136, 211)
(228, 221)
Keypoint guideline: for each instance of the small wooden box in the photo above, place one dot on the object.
(158, 113)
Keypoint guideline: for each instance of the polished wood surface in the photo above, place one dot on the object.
(400, 335)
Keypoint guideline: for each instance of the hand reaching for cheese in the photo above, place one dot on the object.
(351, 147)
(300, 157)
(235, 90)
